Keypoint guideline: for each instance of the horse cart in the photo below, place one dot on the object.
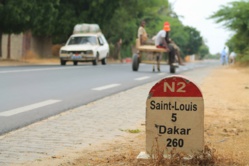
(137, 58)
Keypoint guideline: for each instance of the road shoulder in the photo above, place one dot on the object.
(225, 90)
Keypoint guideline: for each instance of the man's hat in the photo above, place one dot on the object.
(166, 26)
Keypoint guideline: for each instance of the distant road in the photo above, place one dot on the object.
(32, 93)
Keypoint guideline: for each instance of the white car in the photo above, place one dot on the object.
(85, 47)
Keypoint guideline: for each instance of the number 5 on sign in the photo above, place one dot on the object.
(174, 118)
(175, 87)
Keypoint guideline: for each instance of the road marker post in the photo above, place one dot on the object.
(174, 117)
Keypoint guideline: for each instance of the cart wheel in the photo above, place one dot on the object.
(135, 62)
(172, 69)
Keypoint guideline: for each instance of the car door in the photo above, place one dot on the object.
(101, 49)
(107, 49)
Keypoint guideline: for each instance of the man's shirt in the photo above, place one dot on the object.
(160, 37)
(142, 31)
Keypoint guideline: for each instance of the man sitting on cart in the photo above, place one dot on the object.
(161, 42)
(143, 36)
(154, 48)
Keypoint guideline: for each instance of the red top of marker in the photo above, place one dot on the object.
(175, 86)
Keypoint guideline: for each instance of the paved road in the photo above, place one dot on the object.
(32, 93)
(93, 123)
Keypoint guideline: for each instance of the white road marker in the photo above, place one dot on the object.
(28, 107)
(142, 78)
(106, 87)
(41, 69)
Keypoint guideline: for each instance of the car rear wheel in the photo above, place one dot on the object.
(103, 61)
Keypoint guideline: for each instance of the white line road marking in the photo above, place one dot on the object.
(41, 69)
(160, 74)
(28, 107)
(142, 78)
(106, 87)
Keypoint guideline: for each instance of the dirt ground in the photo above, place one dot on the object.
(226, 128)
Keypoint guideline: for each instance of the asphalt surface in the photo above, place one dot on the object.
(32, 93)
(91, 124)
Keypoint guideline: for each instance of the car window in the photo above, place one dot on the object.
(79, 40)
(104, 39)
(101, 42)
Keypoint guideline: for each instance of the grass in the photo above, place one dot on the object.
(131, 131)
(209, 156)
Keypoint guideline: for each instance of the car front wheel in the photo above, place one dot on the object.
(63, 62)
(95, 61)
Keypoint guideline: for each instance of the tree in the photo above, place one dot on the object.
(126, 19)
(43, 25)
(118, 19)
(234, 16)
(44, 17)
(203, 51)
(22, 15)
(72, 12)
(14, 18)
(194, 41)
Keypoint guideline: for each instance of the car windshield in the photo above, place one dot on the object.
(79, 40)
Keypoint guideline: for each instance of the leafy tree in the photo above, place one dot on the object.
(43, 17)
(43, 25)
(72, 12)
(234, 16)
(203, 51)
(118, 19)
(14, 17)
(22, 15)
(126, 20)
(194, 41)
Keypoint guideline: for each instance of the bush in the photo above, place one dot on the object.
(243, 58)
(56, 50)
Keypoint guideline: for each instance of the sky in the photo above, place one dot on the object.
(195, 14)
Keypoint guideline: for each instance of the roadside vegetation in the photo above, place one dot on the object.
(234, 16)
(119, 20)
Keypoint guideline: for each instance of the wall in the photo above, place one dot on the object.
(24, 43)
(16, 46)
